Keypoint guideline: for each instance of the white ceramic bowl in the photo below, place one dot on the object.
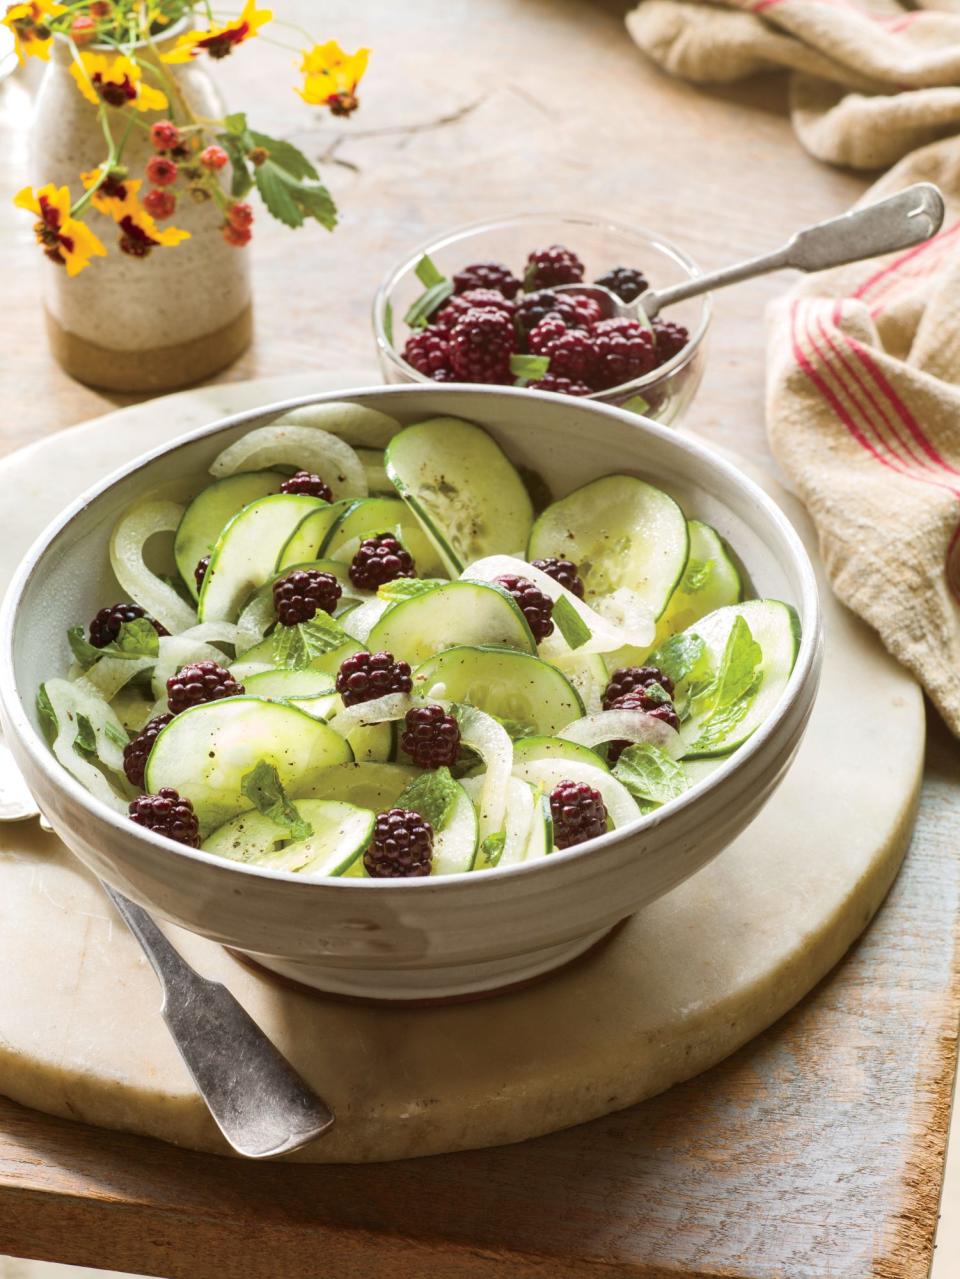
(460, 934)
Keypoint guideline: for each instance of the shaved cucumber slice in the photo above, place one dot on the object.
(340, 834)
(514, 687)
(529, 748)
(130, 534)
(375, 515)
(305, 541)
(776, 628)
(360, 621)
(461, 486)
(207, 751)
(280, 683)
(374, 786)
(304, 447)
(455, 844)
(547, 773)
(378, 481)
(209, 514)
(353, 423)
(449, 616)
(617, 725)
(710, 581)
(588, 674)
(540, 841)
(246, 552)
(620, 531)
(261, 655)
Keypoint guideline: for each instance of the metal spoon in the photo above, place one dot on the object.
(257, 1099)
(898, 222)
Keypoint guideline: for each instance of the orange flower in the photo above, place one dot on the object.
(218, 42)
(28, 23)
(331, 77)
(140, 233)
(116, 196)
(116, 80)
(65, 240)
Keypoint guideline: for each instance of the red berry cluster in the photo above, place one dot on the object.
(473, 335)
(177, 158)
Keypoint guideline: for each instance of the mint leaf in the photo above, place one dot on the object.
(569, 623)
(529, 368)
(696, 575)
(292, 199)
(650, 774)
(295, 647)
(404, 588)
(46, 714)
(425, 305)
(433, 795)
(85, 742)
(138, 638)
(84, 652)
(263, 788)
(723, 703)
(115, 735)
(679, 656)
(491, 850)
(427, 272)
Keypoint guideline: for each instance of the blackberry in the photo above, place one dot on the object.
(298, 596)
(428, 351)
(481, 343)
(431, 737)
(563, 571)
(307, 483)
(629, 678)
(560, 385)
(554, 265)
(457, 306)
(380, 559)
(550, 329)
(536, 607)
(670, 339)
(534, 307)
(135, 753)
(578, 813)
(578, 310)
(167, 813)
(402, 846)
(487, 275)
(365, 676)
(640, 701)
(572, 354)
(623, 350)
(105, 627)
(200, 572)
(625, 281)
(198, 683)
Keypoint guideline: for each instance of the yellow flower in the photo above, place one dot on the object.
(331, 77)
(116, 196)
(116, 80)
(219, 41)
(65, 240)
(141, 233)
(31, 34)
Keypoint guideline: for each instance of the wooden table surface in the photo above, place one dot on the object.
(815, 1152)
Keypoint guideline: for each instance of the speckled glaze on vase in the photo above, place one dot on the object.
(138, 324)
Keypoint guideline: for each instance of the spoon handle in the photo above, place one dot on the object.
(898, 222)
(259, 1102)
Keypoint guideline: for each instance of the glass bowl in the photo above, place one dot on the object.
(662, 394)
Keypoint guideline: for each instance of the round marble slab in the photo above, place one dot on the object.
(683, 984)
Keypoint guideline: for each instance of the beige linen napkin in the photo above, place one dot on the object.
(870, 79)
(863, 395)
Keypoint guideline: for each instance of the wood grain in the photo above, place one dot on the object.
(816, 1151)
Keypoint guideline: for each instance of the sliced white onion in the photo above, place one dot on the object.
(618, 725)
(255, 620)
(491, 741)
(628, 612)
(377, 711)
(106, 677)
(360, 621)
(306, 447)
(68, 701)
(520, 816)
(177, 651)
(131, 533)
(548, 773)
(212, 633)
(358, 425)
(605, 635)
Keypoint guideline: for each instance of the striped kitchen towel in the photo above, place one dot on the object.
(871, 80)
(863, 412)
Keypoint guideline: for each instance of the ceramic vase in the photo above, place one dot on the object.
(128, 323)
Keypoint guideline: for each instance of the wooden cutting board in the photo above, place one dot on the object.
(685, 983)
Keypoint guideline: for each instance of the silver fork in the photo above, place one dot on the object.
(256, 1098)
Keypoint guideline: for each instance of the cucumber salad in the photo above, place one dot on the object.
(361, 650)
